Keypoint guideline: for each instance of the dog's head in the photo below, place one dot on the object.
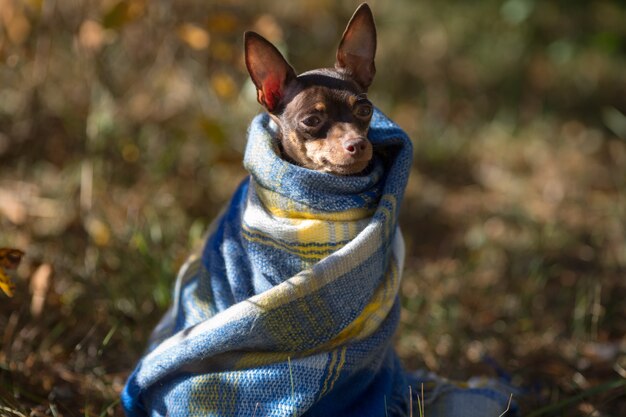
(323, 115)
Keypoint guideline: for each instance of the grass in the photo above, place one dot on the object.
(114, 158)
(508, 406)
(420, 402)
(566, 404)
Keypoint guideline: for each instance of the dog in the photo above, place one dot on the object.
(322, 115)
(291, 304)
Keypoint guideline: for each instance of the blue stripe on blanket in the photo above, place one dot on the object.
(290, 308)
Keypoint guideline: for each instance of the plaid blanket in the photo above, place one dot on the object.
(290, 307)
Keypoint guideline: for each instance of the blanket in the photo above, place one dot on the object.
(290, 307)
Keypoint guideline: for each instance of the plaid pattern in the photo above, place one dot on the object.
(290, 307)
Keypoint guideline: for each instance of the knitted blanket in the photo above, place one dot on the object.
(290, 307)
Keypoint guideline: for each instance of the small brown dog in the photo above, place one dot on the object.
(323, 115)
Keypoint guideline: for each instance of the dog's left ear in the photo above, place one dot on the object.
(357, 48)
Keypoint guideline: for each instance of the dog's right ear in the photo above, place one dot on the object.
(269, 71)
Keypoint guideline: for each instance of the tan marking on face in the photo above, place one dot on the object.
(321, 107)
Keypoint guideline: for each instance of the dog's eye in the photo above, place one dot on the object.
(312, 121)
(363, 111)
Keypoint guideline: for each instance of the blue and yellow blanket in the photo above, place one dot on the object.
(290, 307)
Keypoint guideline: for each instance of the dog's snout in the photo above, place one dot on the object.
(355, 146)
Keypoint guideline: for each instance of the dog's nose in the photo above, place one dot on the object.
(355, 146)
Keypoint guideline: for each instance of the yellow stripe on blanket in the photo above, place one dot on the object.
(329, 373)
(307, 249)
(373, 314)
(213, 393)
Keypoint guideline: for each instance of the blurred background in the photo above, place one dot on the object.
(122, 127)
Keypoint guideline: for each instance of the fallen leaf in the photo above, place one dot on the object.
(194, 36)
(6, 285)
(9, 259)
(91, 35)
(224, 85)
(39, 284)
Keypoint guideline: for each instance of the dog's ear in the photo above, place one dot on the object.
(269, 71)
(357, 48)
